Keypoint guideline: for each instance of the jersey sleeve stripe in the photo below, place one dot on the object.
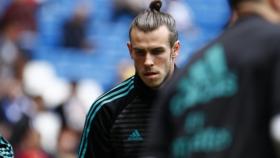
(87, 130)
(115, 90)
(97, 103)
(119, 91)
(121, 87)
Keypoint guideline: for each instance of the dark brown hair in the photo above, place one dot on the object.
(153, 18)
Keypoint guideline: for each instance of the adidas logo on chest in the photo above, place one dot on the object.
(135, 136)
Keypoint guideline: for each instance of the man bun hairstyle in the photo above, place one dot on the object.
(152, 18)
(155, 5)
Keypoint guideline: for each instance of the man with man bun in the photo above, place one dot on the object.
(116, 124)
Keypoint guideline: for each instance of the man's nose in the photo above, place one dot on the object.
(148, 60)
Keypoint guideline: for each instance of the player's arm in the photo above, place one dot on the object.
(6, 150)
(95, 140)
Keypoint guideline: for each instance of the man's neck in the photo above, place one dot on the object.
(169, 76)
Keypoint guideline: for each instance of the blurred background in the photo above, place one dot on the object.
(58, 56)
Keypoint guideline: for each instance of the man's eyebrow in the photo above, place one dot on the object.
(158, 49)
(137, 48)
(151, 49)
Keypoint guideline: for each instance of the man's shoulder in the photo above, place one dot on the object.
(119, 91)
(111, 98)
(259, 28)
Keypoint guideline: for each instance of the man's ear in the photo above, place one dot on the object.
(175, 49)
(129, 46)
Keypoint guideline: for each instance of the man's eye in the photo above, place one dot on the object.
(157, 51)
(139, 52)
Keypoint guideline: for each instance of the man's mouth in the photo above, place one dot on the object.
(150, 74)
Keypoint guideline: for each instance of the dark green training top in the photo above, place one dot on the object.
(116, 124)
